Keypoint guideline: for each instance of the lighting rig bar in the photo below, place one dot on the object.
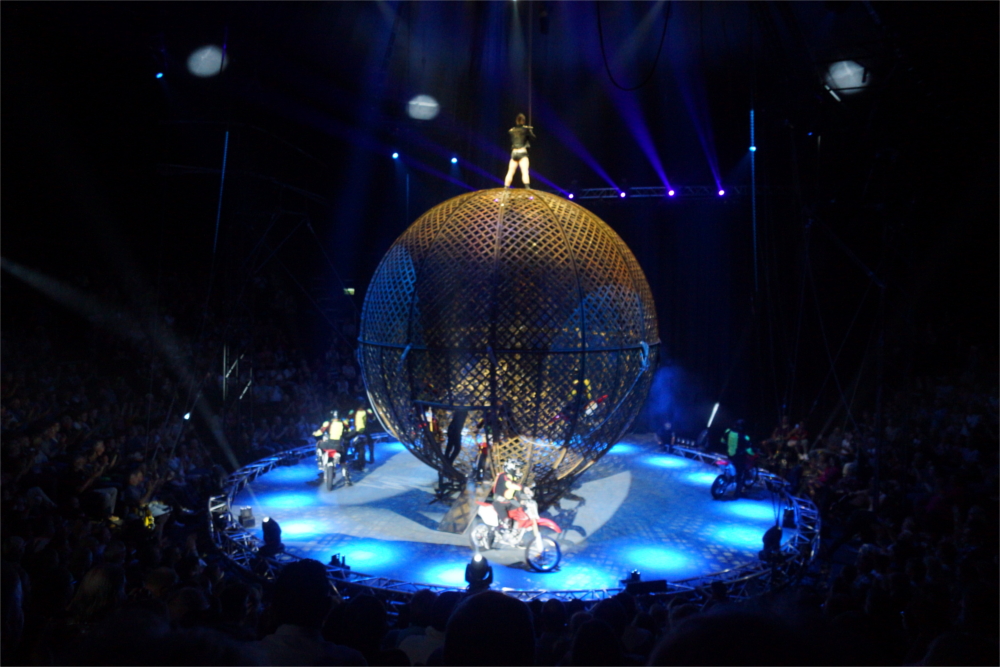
(661, 192)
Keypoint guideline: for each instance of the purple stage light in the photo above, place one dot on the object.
(571, 195)
(621, 194)
(632, 114)
(721, 192)
(670, 193)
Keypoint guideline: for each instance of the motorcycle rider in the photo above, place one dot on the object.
(737, 447)
(504, 489)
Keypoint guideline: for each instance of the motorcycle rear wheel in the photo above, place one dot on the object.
(329, 475)
(543, 554)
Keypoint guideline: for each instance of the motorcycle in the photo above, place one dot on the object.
(328, 460)
(542, 552)
(726, 482)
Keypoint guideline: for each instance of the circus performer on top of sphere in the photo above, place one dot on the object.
(520, 136)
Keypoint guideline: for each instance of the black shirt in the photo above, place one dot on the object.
(519, 136)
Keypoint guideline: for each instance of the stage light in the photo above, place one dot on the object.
(753, 149)
(454, 160)
(348, 291)
(571, 195)
(272, 538)
(670, 193)
(478, 574)
(621, 194)
(207, 61)
(423, 107)
(395, 156)
(846, 77)
(159, 75)
(187, 416)
(721, 192)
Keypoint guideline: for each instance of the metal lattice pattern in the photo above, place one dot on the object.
(527, 311)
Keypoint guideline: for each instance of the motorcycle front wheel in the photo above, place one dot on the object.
(719, 487)
(329, 475)
(480, 536)
(543, 554)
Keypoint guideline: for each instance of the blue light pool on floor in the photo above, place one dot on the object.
(304, 471)
(665, 461)
(302, 529)
(286, 501)
(370, 554)
(750, 510)
(743, 537)
(660, 559)
(703, 478)
(573, 577)
(445, 574)
(624, 448)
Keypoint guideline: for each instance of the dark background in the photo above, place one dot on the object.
(108, 170)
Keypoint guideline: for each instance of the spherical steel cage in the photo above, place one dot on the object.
(524, 317)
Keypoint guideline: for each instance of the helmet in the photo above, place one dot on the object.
(511, 468)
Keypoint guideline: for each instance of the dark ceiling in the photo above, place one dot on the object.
(99, 154)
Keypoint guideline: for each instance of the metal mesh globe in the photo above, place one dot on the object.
(522, 312)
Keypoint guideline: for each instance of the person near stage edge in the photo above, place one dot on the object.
(666, 436)
(520, 136)
(360, 426)
(737, 447)
(504, 489)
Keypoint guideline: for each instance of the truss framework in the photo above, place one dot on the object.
(745, 581)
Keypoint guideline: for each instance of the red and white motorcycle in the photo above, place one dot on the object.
(541, 550)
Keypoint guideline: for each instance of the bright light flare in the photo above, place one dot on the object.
(712, 418)
(395, 156)
(207, 61)
(721, 192)
(454, 160)
(670, 193)
(846, 77)
(423, 107)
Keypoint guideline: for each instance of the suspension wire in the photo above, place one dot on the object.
(847, 335)
(826, 343)
(530, 69)
(329, 262)
(659, 49)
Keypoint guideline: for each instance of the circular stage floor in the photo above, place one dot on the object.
(640, 509)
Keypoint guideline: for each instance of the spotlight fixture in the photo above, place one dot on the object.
(772, 544)
(622, 194)
(478, 574)
(187, 416)
(395, 156)
(632, 577)
(753, 149)
(721, 192)
(670, 193)
(272, 538)
(454, 160)
(159, 75)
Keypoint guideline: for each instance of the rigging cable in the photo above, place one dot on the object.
(659, 49)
